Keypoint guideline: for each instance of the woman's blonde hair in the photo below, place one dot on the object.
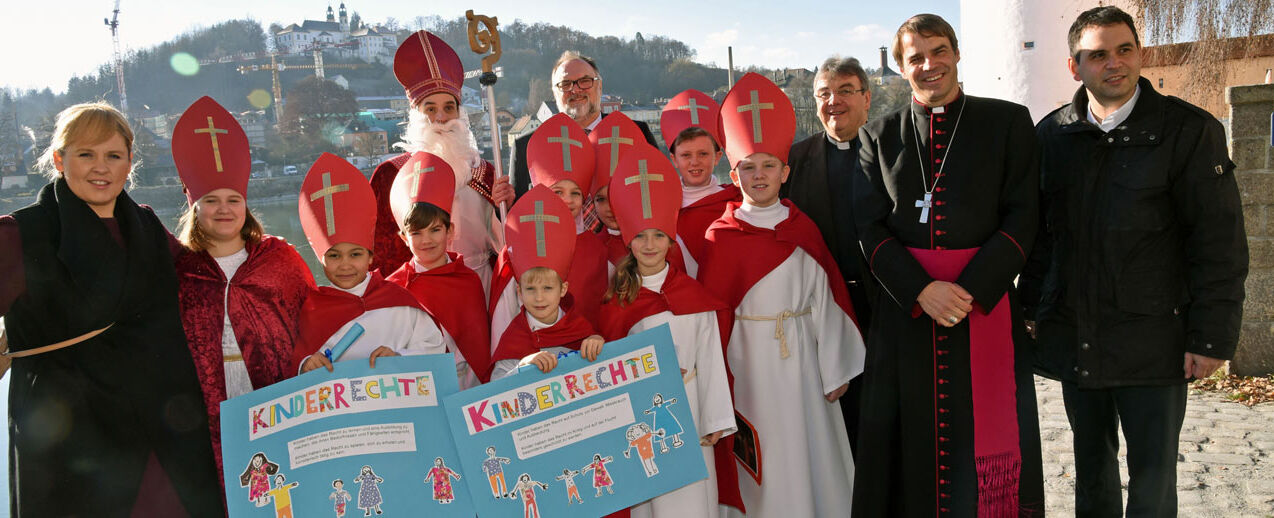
(195, 239)
(626, 283)
(89, 124)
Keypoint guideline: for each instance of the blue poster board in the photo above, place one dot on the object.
(348, 442)
(586, 439)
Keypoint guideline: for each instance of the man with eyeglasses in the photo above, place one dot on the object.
(821, 185)
(577, 88)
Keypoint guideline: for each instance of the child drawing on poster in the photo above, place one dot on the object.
(663, 420)
(492, 466)
(340, 496)
(639, 436)
(601, 477)
(568, 476)
(257, 479)
(526, 489)
(282, 494)
(369, 492)
(441, 476)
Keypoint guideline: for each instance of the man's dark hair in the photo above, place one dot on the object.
(572, 55)
(838, 66)
(927, 25)
(1104, 16)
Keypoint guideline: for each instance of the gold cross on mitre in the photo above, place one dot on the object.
(644, 178)
(614, 140)
(414, 176)
(694, 108)
(566, 142)
(212, 130)
(326, 193)
(539, 217)
(755, 107)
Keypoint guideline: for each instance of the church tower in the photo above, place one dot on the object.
(330, 17)
(1024, 59)
(344, 19)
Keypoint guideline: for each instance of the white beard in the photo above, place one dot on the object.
(451, 141)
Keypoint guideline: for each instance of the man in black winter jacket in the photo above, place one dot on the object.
(1136, 280)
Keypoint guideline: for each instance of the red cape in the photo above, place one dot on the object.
(726, 274)
(588, 276)
(328, 309)
(680, 294)
(616, 248)
(453, 295)
(693, 220)
(265, 302)
(389, 252)
(519, 341)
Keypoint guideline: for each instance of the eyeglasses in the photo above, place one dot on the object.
(826, 95)
(583, 83)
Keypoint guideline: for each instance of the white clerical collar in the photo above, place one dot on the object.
(612, 231)
(763, 217)
(420, 268)
(843, 146)
(359, 289)
(655, 282)
(1117, 117)
(692, 195)
(536, 325)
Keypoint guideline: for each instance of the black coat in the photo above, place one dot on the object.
(522, 175)
(83, 420)
(827, 198)
(1142, 254)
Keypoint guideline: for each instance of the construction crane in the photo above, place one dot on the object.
(277, 66)
(113, 23)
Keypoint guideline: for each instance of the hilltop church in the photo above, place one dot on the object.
(371, 44)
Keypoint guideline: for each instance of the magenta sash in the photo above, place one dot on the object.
(996, 451)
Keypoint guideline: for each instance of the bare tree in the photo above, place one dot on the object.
(1218, 31)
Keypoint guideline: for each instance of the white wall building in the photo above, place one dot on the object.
(1016, 50)
(336, 34)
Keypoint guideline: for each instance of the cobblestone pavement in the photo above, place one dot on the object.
(1225, 465)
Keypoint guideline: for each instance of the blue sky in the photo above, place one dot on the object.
(44, 49)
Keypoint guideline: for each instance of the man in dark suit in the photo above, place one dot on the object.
(577, 88)
(820, 184)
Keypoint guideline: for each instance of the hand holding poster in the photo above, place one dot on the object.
(615, 425)
(357, 439)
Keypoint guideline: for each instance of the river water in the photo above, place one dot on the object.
(280, 218)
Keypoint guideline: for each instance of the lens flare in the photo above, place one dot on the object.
(260, 99)
(184, 64)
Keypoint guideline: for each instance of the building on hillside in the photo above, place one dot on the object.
(371, 44)
(156, 122)
(611, 103)
(1164, 66)
(885, 75)
(648, 114)
(253, 124)
(390, 102)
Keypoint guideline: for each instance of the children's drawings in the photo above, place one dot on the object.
(663, 420)
(640, 437)
(282, 496)
(493, 467)
(257, 479)
(441, 476)
(526, 489)
(572, 492)
(339, 497)
(369, 498)
(601, 477)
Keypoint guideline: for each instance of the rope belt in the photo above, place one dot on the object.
(232, 358)
(685, 378)
(778, 326)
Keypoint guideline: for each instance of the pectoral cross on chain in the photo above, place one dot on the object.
(924, 206)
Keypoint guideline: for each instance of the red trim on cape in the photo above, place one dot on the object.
(453, 295)
(997, 453)
(680, 294)
(694, 219)
(519, 341)
(741, 255)
(328, 309)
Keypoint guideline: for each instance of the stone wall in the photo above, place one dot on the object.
(1250, 109)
